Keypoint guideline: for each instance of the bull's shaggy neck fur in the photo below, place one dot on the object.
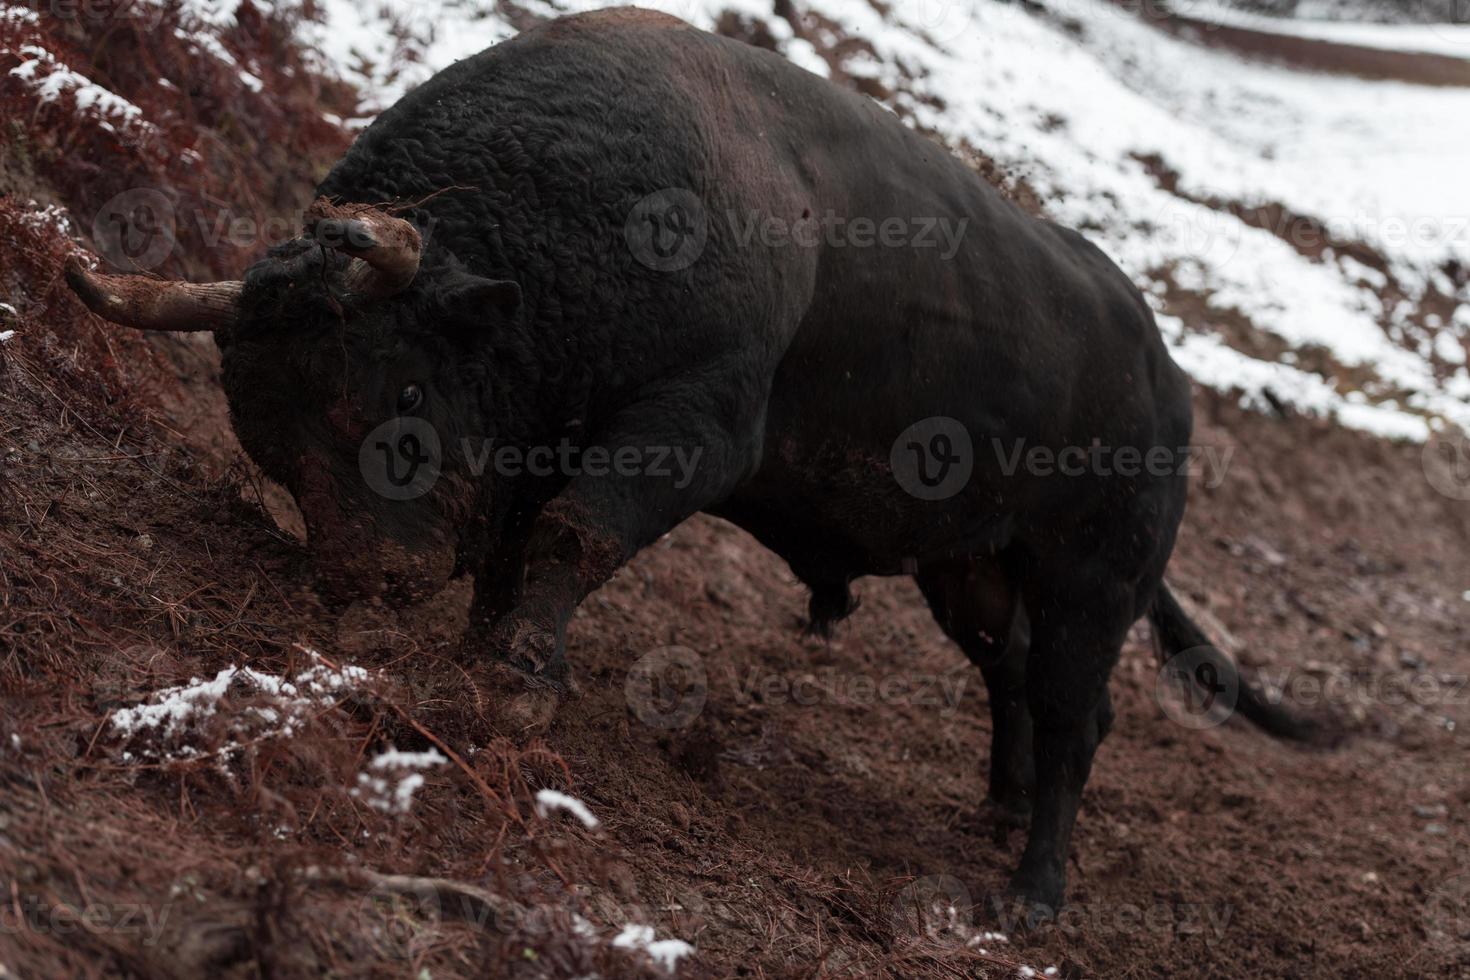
(532, 184)
(297, 297)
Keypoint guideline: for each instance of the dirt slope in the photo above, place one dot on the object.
(778, 828)
(805, 809)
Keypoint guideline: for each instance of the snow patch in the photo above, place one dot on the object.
(665, 952)
(277, 707)
(1263, 385)
(50, 80)
(393, 777)
(1449, 348)
(23, 15)
(53, 217)
(550, 800)
(1031, 971)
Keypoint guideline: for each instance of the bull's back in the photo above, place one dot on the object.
(1021, 331)
(1012, 327)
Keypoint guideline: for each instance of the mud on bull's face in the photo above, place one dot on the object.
(313, 414)
(364, 416)
(355, 378)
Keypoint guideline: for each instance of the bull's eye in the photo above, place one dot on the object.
(410, 398)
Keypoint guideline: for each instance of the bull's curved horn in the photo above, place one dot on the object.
(389, 247)
(155, 304)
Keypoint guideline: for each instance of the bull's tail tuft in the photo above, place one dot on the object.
(1174, 632)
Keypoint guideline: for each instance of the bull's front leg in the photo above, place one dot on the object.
(657, 463)
(572, 551)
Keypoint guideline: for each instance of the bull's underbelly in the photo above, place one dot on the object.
(834, 507)
(871, 469)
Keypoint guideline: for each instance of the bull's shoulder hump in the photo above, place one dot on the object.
(629, 18)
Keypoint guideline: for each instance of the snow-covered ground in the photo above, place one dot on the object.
(1073, 112)
(1449, 40)
(171, 721)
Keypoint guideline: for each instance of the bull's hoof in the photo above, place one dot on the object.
(1031, 901)
(1014, 914)
(529, 702)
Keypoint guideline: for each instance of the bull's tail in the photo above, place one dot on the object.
(1174, 632)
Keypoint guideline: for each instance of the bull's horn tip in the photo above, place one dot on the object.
(80, 279)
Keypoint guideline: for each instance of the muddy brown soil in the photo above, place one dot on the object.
(783, 823)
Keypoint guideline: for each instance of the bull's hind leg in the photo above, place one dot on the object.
(978, 608)
(1078, 624)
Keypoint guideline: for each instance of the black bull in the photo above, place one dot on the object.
(641, 238)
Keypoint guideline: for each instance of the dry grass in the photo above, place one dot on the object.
(128, 564)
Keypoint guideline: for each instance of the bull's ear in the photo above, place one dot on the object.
(471, 301)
